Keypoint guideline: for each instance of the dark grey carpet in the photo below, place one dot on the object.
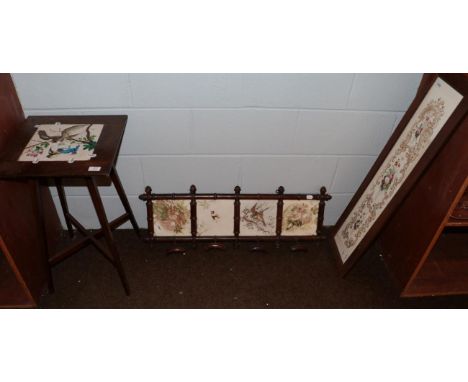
(228, 279)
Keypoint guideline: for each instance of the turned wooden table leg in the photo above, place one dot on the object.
(101, 213)
(63, 202)
(123, 198)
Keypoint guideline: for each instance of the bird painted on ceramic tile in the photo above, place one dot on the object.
(68, 133)
(257, 214)
(68, 150)
(214, 215)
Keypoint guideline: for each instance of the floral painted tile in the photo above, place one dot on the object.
(258, 217)
(215, 217)
(171, 218)
(300, 217)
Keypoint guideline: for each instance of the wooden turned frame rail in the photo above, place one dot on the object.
(216, 242)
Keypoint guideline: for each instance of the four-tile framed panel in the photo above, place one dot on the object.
(235, 217)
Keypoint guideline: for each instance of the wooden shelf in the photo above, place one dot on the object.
(459, 215)
(424, 243)
(445, 271)
(457, 223)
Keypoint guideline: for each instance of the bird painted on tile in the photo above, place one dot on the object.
(214, 215)
(68, 150)
(68, 133)
(257, 214)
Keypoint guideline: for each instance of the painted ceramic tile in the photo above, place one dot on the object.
(258, 217)
(171, 218)
(215, 217)
(60, 142)
(422, 129)
(300, 217)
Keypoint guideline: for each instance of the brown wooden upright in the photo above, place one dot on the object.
(425, 243)
(24, 271)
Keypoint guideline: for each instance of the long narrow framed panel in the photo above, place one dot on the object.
(234, 217)
(438, 107)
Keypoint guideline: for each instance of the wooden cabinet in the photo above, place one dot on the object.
(425, 243)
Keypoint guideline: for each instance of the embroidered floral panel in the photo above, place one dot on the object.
(428, 120)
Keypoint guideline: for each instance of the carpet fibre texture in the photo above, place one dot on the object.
(227, 279)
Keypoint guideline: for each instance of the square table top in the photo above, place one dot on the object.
(106, 150)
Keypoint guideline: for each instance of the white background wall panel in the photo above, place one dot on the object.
(219, 130)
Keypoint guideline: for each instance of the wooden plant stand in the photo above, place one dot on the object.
(97, 169)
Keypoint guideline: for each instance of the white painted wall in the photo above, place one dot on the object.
(219, 130)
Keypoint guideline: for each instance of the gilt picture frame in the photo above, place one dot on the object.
(438, 107)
